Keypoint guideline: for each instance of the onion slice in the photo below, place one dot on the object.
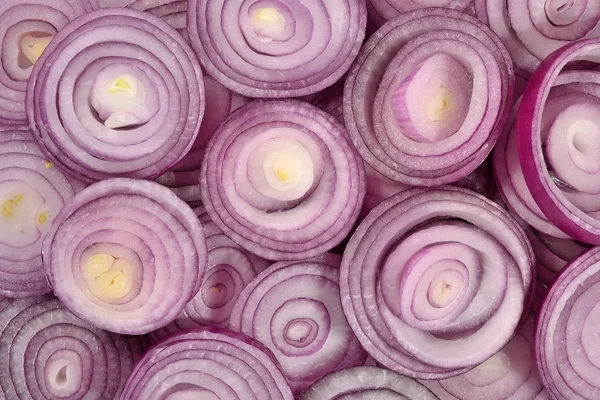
(381, 11)
(282, 179)
(117, 93)
(126, 255)
(209, 364)
(435, 281)
(567, 330)
(368, 383)
(48, 353)
(274, 48)
(425, 116)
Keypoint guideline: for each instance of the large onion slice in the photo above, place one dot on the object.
(381, 11)
(435, 281)
(48, 353)
(567, 331)
(118, 92)
(367, 383)
(282, 179)
(532, 29)
(274, 48)
(126, 255)
(294, 310)
(26, 28)
(32, 192)
(428, 96)
(207, 364)
(558, 141)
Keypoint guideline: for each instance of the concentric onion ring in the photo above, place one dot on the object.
(532, 29)
(568, 358)
(32, 192)
(274, 48)
(367, 383)
(435, 281)
(209, 364)
(173, 12)
(126, 255)
(558, 141)
(293, 308)
(381, 11)
(282, 179)
(48, 353)
(117, 93)
(423, 116)
(25, 30)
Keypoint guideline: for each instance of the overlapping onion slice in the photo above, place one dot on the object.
(367, 383)
(210, 364)
(381, 11)
(282, 179)
(32, 192)
(428, 96)
(567, 330)
(275, 48)
(26, 28)
(293, 308)
(435, 281)
(558, 142)
(532, 29)
(46, 352)
(118, 92)
(230, 268)
(126, 255)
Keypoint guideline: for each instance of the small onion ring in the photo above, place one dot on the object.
(445, 275)
(135, 223)
(215, 363)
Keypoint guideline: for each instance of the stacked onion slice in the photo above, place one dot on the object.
(118, 92)
(48, 353)
(32, 192)
(230, 268)
(208, 364)
(294, 310)
(367, 383)
(276, 48)
(532, 29)
(435, 281)
(173, 12)
(558, 141)
(126, 255)
(428, 96)
(381, 11)
(567, 330)
(282, 179)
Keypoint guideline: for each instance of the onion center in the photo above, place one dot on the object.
(492, 370)
(564, 12)
(444, 287)
(31, 47)
(111, 277)
(269, 21)
(218, 288)
(23, 215)
(63, 373)
(301, 332)
(123, 96)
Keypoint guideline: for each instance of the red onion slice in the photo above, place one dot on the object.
(567, 330)
(209, 364)
(367, 383)
(126, 255)
(32, 192)
(282, 179)
(173, 12)
(48, 353)
(272, 48)
(294, 310)
(435, 281)
(556, 143)
(117, 93)
(381, 11)
(425, 117)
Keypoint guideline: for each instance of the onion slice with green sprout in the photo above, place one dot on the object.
(436, 281)
(282, 179)
(117, 93)
(428, 96)
(126, 255)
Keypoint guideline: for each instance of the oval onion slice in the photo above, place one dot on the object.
(126, 255)
(118, 93)
(282, 179)
(208, 364)
(435, 281)
(428, 96)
